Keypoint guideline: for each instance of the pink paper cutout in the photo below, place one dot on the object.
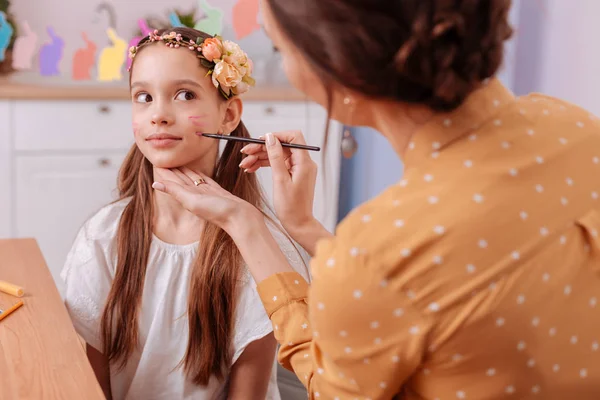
(51, 53)
(244, 17)
(24, 50)
(134, 42)
(84, 60)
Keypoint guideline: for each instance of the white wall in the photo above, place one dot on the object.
(71, 17)
(559, 52)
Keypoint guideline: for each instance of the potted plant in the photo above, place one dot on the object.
(6, 65)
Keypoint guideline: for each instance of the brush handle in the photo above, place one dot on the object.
(6, 313)
(259, 141)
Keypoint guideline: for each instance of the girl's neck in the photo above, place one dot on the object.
(173, 223)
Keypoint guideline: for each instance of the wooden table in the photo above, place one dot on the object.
(41, 356)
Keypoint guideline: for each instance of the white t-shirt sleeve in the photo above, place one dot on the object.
(252, 321)
(87, 279)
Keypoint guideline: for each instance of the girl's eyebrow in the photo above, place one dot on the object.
(190, 82)
(178, 82)
(139, 83)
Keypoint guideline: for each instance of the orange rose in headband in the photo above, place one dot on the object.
(212, 49)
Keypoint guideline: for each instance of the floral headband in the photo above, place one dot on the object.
(230, 67)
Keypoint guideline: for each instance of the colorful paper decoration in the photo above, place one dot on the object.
(112, 58)
(110, 12)
(84, 60)
(51, 53)
(175, 21)
(244, 17)
(6, 32)
(24, 49)
(134, 42)
(212, 21)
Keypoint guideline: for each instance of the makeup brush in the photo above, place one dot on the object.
(259, 141)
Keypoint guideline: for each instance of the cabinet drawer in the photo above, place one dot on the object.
(55, 195)
(275, 110)
(72, 125)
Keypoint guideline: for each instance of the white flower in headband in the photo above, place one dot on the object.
(230, 67)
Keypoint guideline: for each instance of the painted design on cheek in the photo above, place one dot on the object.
(196, 120)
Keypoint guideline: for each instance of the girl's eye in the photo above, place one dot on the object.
(143, 98)
(185, 95)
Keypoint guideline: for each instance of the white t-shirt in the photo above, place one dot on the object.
(151, 372)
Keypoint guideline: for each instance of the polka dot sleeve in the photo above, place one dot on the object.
(361, 338)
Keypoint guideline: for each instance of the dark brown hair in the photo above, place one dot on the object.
(213, 286)
(430, 52)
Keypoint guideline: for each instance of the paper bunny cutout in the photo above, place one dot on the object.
(84, 60)
(112, 58)
(134, 42)
(6, 32)
(212, 22)
(24, 50)
(175, 21)
(244, 17)
(51, 53)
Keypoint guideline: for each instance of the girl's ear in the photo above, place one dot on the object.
(232, 116)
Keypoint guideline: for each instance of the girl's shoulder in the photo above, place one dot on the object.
(105, 222)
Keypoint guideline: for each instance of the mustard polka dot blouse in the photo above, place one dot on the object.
(475, 277)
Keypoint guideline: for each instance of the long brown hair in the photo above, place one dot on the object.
(215, 276)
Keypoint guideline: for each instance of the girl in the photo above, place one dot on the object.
(162, 298)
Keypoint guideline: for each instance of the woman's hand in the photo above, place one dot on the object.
(294, 178)
(202, 196)
(242, 221)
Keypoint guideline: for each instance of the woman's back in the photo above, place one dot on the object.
(487, 257)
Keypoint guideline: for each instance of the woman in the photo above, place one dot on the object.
(475, 277)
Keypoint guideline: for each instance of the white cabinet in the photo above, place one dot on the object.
(56, 194)
(311, 120)
(72, 125)
(329, 161)
(5, 169)
(60, 160)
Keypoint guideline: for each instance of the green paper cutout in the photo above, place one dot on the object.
(212, 21)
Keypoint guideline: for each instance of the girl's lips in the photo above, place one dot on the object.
(162, 140)
(162, 143)
(162, 136)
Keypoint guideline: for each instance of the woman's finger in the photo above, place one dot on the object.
(262, 155)
(248, 161)
(299, 156)
(263, 164)
(253, 148)
(261, 151)
(177, 191)
(197, 177)
(289, 137)
(257, 165)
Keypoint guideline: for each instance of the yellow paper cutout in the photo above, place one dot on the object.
(112, 58)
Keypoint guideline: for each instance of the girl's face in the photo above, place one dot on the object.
(173, 103)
